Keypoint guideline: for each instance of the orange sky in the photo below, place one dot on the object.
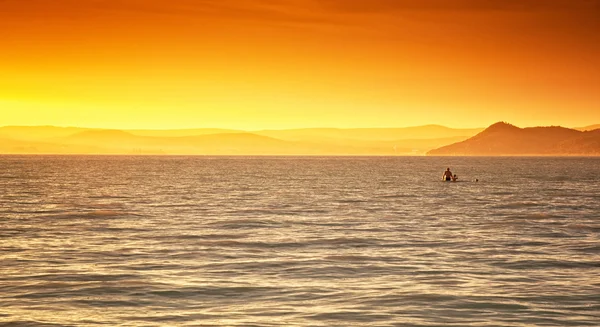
(254, 64)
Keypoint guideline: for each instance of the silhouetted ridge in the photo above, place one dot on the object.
(506, 139)
(501, 127)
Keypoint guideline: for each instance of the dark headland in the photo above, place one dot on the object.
(503, 139)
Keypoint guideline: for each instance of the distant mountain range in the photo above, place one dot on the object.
(498, 139)
(506, 139)
(588, 128)
(309, 141)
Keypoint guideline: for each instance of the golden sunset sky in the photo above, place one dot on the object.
(254, 64)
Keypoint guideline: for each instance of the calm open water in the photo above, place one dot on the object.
(307, 241)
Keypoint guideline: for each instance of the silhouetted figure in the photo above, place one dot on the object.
(454, 178)
(447, 175)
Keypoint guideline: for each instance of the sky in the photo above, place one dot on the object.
(276, 64)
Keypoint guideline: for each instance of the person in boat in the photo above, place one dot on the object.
(447, 175)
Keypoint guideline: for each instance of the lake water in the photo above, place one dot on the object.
(307, 241)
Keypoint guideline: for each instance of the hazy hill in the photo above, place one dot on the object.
(181, 132)
(403, 141)
(370, 134)
(234, 143)
(10, 146)
(125, 142)
(38, 133)
(505, 139)
(318, 141)
(122, 142)
(588, 128)
(101, 133)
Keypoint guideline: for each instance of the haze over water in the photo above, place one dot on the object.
(298, 241)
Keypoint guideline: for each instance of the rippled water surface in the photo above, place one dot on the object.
(279, 241)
